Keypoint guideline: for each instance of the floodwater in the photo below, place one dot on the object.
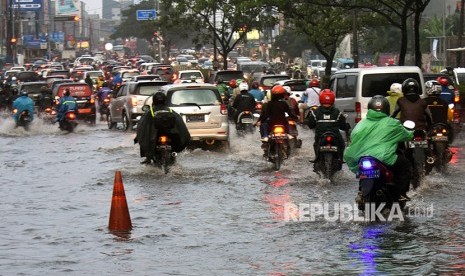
(215, 213)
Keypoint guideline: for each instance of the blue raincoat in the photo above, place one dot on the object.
(23, 103)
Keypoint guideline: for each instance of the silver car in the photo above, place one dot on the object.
(126, 103)
(202, 110)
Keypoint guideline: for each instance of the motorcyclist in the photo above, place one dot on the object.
(412, 107)
(243, 102)
(160, 118)
(117, 80)
(328, 118)
(66, 103)
(222, 88)
(23, 103)
(438, 107)
(378, 136)
(446, 94)
(394, 94)
(274, 113)
(311, 97)
(293, 105)
(46, 99)
(89, 82)
(102, 94)
(256, 92)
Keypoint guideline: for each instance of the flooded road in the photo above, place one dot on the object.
(215, 213)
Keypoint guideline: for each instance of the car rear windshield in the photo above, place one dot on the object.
(196, 96)
(270, 81)
(379, 84)
(297, 86)
(231, 75)
(148, 88)
(188, 75)
(32, 87)
(129, 74)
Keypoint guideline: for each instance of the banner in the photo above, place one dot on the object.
(67, 7)
(26, 5)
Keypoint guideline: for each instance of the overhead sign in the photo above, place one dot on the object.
(146, 15)
(26, 5)
(66, 7)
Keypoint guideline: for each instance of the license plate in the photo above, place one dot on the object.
(370, 174)
(195, 118)
(85, 110)
(440, 138)
(417, 144)
(247, 121)
(328, 148)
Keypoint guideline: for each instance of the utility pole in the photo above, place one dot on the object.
(459, 53)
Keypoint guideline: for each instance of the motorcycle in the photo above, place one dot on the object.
(24, 119)
(245, 123)
(277, 149)
(103, 109)
(164, 156)
(376, 185)
(439, 153)
(416, 153)
(296, 142)
(327, 160)
(68, 122)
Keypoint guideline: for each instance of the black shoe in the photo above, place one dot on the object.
(146, 161)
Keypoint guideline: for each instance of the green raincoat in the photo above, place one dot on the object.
(377, 135)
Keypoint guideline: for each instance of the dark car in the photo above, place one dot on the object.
(265, 82)
(27, 76)
(34, 92)
(84, 98)
(226, 75)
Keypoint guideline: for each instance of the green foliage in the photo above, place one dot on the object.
(291, 42)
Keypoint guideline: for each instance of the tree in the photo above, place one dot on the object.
(225, 22)
(291, 42)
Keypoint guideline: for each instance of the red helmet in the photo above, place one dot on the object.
(232, 83)
(278, 90)
(314, 83)
(327, 97)
(443, 81)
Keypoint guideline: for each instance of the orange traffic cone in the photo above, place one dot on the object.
(119, 213)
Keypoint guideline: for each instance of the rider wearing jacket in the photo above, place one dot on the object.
(328, 118)
(311, 97)
(23, 103)
(394, 94)
(274, 112)
(67, 103)
(437, 106)
(378, 136)
(412, 107)
(243, 102)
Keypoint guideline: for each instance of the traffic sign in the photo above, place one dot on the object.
(26, 5)
(146, 15)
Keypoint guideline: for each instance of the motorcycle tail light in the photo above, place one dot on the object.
(70, 116)
(292, 122)
(278, 130)
(92, 100)
(417, 138)
(48, 110)
(258, 106)
(329, 139)
(163, 139)
(106, 100)
(246, 112)
(367, 165)
(15, 111)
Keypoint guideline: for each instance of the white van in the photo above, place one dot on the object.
(355, 87)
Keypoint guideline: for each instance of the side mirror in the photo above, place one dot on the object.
(146, 108)
(410, 125)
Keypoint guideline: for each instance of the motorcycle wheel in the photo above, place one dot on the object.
(440, 162)
(278, 156)
(328, 165)
(164, 162)
(418, 172)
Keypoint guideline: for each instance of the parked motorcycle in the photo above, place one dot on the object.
(245, 123)
(163, 155)
(439, 153)
(68, 123)
(416, 152)
(327, 161)
(24, 119)
(277, 149)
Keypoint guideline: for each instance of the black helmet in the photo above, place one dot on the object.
(410, 86)
(23, 93)
(158, 98)
(379, 103)
(67, 93)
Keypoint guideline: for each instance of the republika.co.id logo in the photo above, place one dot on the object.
(346, 212)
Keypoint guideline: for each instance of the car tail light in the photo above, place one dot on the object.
(278, 130)
(457, 96)
(358, 112)
(133, 101)
(224, 110)
(163, 139)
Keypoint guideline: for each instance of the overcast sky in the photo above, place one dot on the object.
(93, 6)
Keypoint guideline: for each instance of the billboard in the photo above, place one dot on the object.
(67, 7)
(26, 5)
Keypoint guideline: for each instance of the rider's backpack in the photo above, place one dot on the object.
(164, 119)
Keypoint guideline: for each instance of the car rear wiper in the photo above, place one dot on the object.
(190, 104)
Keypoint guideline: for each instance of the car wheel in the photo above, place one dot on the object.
(110, 123)
(127, 125)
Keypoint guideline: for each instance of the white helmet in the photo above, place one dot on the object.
(396, 88)
(243, 86)
(288, 89)
(433, 88)
(13, 78)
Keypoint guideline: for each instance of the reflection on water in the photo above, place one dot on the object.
(366, 249)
